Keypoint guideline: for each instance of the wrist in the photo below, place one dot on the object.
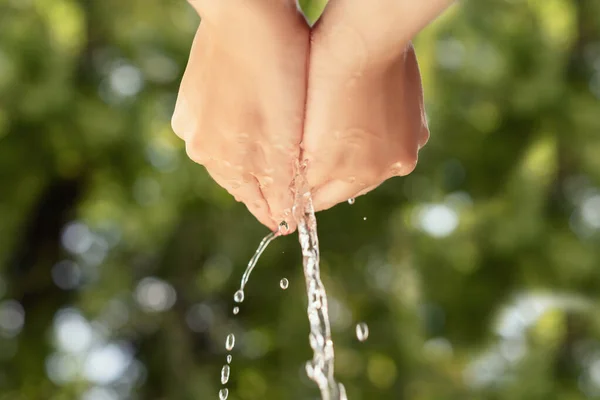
(380, 31)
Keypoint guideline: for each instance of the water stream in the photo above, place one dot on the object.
(238, 297)
(321, 368)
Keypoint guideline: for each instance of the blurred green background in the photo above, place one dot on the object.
(478, 275)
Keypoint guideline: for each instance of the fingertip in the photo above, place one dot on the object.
(404, 167)
(286, 227)
(259, 209)
(368, 189)
(333, 193)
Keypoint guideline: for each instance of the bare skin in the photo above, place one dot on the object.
(241, 103)
(262, 91)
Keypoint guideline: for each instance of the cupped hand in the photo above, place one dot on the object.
(365, 118)
(262, 92)
(240, 107)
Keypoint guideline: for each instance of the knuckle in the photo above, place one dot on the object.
(176, 123)
(182, 122)
(195, 152)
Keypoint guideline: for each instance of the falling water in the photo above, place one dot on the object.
(230, 342)
(362, 331)
(239, 295)
(321, 368)
(284, 283)
(223, 393)
(225, 371)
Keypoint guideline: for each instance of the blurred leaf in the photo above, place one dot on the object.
(312, 9)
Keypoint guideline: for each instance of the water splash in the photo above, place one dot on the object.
(362, 331)
(321, 368)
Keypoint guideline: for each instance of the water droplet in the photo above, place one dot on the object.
(351, 200)
(236, 310)
(225, 374)
(284, 227)
(362, 331)
(238, 297)
(223, 393)
(229, 358)
(230, 342)
(284, 283)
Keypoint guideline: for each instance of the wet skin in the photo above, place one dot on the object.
(262, 91)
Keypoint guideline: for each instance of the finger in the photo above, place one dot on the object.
(224, 10)
(280, 200)
(369, 189)
(409, 119)
(274, 166)
(414, 96)
(184, 121)
(334, 192)
(244, 189)
(258, 207)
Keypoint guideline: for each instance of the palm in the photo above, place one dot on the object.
(241, 103)
(365, 120)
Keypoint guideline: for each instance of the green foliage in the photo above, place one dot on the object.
(312, 9)
(477, 274)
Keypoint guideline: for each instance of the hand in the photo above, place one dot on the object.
(241, 103)
(365, 119)
(244, 106)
